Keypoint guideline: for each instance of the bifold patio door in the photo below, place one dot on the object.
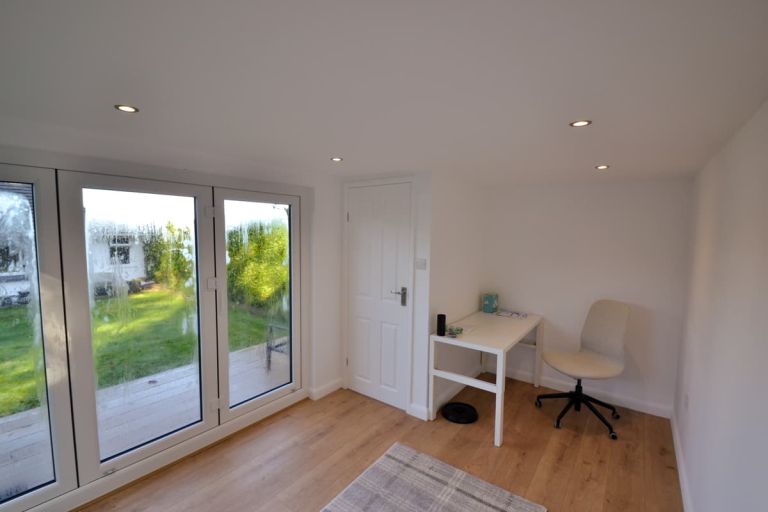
(162, 311)
(37, 459)
(258, 289)
(138, 259)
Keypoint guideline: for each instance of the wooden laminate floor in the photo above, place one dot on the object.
(300, 458)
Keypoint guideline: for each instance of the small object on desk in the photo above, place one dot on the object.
(459, 412)
(454, 331)
(441, 325)
(512, 314)
(490, 302)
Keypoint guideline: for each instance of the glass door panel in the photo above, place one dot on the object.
(36, 457)
(26, 450)
(144, 329)
(259, 298)
(256, 258)
(142, 268)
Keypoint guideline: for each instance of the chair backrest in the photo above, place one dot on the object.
(605, 327)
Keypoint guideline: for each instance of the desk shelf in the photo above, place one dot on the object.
(487, 334)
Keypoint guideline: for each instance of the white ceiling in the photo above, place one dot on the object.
(475, 87)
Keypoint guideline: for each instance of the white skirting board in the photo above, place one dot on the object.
(418, 411)
(682, 473)
(566, 385)
(450, 390)
(319, 392)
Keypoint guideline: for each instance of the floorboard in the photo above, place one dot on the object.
(300, 458)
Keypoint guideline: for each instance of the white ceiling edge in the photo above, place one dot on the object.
(255, 180)
(38, 158)
(65, 148)
(62, 147)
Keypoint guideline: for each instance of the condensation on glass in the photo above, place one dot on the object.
(142, 277)
(258, 262)
(26, 452)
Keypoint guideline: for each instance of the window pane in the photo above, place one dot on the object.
(26, 455)
(142, 274)
(259, 294)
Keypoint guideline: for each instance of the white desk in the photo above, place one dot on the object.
(489, 334)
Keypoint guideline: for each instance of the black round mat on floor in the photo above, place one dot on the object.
(459, 412)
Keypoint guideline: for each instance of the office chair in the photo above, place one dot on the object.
(601, 356)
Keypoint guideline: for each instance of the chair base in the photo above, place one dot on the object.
(575, 400)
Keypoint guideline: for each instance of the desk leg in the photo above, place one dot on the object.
(537, 364)
(501, 374)
(431, 391)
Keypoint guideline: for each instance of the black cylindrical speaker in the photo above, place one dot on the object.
(441, 325)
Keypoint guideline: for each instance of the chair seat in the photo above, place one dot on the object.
(584, 364)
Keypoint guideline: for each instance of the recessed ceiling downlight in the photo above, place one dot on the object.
(602, 167)
(336, 159)
(128, 109)
(580, 123)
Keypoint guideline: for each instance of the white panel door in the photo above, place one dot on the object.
(380, 281)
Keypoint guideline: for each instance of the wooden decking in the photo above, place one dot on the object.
(300, 458)
(25, 452)
(129, 414)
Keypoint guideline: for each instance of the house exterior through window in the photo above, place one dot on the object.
(120, 249)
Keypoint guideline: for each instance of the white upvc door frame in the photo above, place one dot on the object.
(222, 194)
(76, 293)
(54, 340)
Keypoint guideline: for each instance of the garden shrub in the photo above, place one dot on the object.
(258, 270)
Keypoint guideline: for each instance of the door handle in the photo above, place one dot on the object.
(403, 293)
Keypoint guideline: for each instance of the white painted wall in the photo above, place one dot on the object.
(326, 361)
(456, 271)
(553, 250)
(720, 415)
(556, 249)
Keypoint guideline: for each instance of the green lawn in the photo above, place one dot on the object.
(246, 328)
(18, 389)
(149, 332)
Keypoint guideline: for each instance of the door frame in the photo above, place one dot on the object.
(90, 466)
(54, 339)
(345, 299)
(221, 194)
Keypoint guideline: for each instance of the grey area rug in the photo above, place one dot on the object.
(406, 480)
